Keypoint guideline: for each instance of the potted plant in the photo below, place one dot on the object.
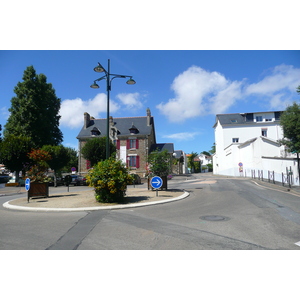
(39, 182)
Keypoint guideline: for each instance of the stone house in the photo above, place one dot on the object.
(134, 138)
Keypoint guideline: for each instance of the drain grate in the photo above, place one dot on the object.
(214, 218)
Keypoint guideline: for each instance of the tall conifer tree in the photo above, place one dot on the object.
(34, 110)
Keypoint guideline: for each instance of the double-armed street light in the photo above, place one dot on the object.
(108, 78)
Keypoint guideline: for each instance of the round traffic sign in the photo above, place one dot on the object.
(156, 182)
(27, 184)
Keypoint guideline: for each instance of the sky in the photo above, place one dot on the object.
(184, 89)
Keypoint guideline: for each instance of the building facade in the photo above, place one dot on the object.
(248, 143)
(133, 137)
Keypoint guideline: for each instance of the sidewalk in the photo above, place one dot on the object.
(85, 200)
(278, 186)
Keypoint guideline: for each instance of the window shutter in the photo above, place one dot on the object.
(136, 144)
(118, 144)
(128, 144)
(137, 162)
(88, 164)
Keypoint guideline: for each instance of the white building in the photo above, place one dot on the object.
(205, 160)
(247, 145)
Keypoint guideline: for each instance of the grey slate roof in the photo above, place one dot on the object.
(163, 146)
(241, 118)
(122, 124)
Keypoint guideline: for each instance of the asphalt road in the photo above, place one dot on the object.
(220, 213)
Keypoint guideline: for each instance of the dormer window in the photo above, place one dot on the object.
(95, 132)
(133, 129)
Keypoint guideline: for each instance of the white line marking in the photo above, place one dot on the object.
(298, 244)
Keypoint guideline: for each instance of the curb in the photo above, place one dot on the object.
(120, 206)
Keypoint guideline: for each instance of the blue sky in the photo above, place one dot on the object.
(183, 89)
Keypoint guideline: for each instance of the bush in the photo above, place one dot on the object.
(109, 179)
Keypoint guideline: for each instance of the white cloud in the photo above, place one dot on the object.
(199, 92)
(277, 90)
(130, 100)
(72, 111)
(281, 77)
(182, 136)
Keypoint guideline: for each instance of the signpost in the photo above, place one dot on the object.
(156, 183)
(68, 180)
(27, 187)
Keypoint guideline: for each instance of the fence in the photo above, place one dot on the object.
(284, 178)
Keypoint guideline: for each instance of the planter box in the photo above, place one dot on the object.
(38, 189)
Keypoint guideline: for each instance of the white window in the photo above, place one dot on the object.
(264, 132)
(235, 140)
(259, 118)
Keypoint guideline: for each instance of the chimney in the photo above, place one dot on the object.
(148, 116)
(86, 121)
(111, 121)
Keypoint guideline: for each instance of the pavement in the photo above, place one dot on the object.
(136, 196)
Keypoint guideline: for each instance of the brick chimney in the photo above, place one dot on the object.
(148, 116)
(86, 120)
(111, 121)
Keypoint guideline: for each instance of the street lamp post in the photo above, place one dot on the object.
(100, 69)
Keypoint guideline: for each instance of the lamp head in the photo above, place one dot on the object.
(130, 81)
(95, 86)
(99, 68)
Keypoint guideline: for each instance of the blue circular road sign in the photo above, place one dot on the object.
(27, 184)
(156, 182)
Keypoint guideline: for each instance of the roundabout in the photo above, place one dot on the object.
(85, 201)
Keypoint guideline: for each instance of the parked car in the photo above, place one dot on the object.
(59, 181)
(78, 180)
(13, 180)
(4, 178)
(136, 179)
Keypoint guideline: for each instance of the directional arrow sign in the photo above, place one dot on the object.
(27, 184)
(156, 182)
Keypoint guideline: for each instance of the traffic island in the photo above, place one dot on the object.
(85, 200)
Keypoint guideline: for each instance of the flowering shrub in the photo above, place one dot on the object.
(109, 179)
(37, 172)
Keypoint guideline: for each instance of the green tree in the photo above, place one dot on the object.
(191, 163)
(14, 153)
(290, 122)
(95, 148)
(160, 163)
(206, 153)
(213, 149)
(73, 162)
(34, 110)
(59, 158)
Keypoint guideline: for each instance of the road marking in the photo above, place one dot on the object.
(298, 244)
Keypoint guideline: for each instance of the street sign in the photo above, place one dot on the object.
(156, 182)
(240, 164)
(27, 184)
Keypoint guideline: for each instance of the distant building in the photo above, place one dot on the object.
(248, 143)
